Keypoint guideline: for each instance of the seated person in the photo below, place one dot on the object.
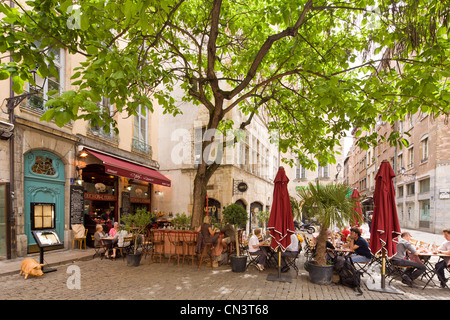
(230, 235)
(399, 259)
(360, 246)
(291, 251)
(114, 230)
(253, 248)
(441, 265)
(118, 240)
(98, 235)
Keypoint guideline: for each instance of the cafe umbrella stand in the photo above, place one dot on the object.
(385, 225)
(281, 223)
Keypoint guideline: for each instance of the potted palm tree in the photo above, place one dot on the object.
(137, 224)
(330, 205)
(236, 215)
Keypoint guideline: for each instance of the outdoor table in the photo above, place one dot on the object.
(271, 261)
(341, 251)
(430, 271)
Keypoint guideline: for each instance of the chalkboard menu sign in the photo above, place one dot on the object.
(76, 204)
(125, 204)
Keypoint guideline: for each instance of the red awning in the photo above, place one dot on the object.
(130, 170)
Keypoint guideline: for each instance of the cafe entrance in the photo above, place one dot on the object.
(44, 190)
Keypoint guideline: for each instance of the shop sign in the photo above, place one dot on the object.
(242, 187)
(102, 197)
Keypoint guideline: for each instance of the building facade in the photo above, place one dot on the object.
(422, 179)
(52, 177)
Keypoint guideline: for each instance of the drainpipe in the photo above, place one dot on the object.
(11, 220)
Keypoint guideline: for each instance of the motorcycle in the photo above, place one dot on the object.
(304, 227)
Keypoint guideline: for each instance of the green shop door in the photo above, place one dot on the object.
(44, 195)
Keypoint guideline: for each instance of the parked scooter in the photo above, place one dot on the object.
(304, 227)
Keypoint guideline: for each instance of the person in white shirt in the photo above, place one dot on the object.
(253, 248)
(444, 263)
(291, 251)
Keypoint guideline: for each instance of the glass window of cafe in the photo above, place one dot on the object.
(100, 193)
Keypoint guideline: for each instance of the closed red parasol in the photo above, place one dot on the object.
(385, 226)
(358, 211)
(281, 223)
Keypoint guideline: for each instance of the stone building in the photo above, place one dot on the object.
(422, 179)
(42, 165)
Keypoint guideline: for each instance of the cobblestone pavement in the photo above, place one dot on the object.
(115, 280)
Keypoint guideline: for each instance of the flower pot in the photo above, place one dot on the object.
(238, 264)
(134, 259)
(320, 274)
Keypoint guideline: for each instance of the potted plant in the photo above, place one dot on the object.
(137, 224)
(236, 215)
(329, 205)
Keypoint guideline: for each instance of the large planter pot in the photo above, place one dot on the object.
(134, 259)
(319, 274)
(238, 264)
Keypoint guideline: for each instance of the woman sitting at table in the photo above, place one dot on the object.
(209, 235)
(98, 235)
(253, 248)
(114, 230)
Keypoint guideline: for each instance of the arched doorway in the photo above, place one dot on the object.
(255, 207)
(44, 182)
(214, 207)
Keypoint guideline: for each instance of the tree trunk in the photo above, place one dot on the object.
(321, 247)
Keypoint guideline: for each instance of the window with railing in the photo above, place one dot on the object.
(102, 131)
(140, 132)
(53, 83)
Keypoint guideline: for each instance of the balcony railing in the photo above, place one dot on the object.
(141, 146)
(97, 131)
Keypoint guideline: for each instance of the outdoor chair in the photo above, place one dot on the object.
(190, 242)
(157, 240)
(146, 244)
(292, 261)
(252, 260)
(79, 235)
(309, 248)
(207, 251)
(99, 250)
(393, 270)
(177, 244)
(125, 247)
(364, 267)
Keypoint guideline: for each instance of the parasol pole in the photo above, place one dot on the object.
(279, 277)
(380, 286)
(383, 269)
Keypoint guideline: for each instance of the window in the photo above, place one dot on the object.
(323, 171)
(410, 189)
(424, 210)
(400, 191)
(300, 171)
(424, 149)
(140, 132)
(424, 186)
(400, 162)
(42, 216)
(38, 101)
(104, 105)
(410, 157)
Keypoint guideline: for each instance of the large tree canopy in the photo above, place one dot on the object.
(318, 68)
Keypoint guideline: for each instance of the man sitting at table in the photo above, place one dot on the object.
(360, 246)
(253, 248)
(441, 265)
(400, 259)
(291, 251)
